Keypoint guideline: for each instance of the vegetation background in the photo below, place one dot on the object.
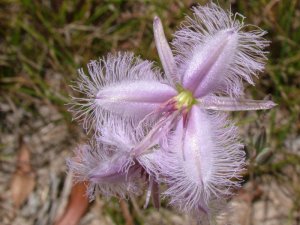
(44, 42)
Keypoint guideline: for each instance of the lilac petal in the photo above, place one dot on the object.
(198, 147)
(156, 135)
(199, 40)
(110, 171)
(134, 99)
(209, 62)
(203, 161)
(118, 84)
(233, 104)
(110, 174)
(164, 51)
(182, 168)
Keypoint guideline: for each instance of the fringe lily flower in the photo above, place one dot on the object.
(188, 141)
(106, 163)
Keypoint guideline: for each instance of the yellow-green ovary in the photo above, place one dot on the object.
(185, 99)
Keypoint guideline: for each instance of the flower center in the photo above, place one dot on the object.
(185, 99)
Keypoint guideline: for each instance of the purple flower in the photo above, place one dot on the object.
(172, 127)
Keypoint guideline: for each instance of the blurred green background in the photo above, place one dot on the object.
(43, 43)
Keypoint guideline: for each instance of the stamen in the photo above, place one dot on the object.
(184, 100)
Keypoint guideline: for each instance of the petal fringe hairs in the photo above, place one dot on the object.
(172, 127)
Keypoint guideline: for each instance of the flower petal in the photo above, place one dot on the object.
(182, 173)
(203, 162)
(233, 104)
(119, 84)
(164, 51)
(215, 53)
(112, 170)
(157, 135)
(209, 62)
(108, 174)
(134, 99)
